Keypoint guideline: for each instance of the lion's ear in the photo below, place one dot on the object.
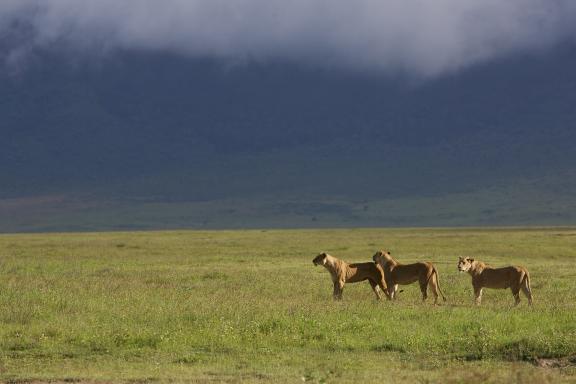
(460, 258)
(324, 254)
(470, 260)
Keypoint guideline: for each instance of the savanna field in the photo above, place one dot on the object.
(249, 306)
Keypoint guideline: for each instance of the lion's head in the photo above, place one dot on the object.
(464, 264)
(320, 259)
(382, 257)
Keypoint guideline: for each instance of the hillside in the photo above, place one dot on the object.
(159, 141)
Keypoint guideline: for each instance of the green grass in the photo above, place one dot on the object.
(232, 306)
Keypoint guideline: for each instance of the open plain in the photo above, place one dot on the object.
(249, 306)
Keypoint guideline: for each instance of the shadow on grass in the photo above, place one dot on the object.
(387, 347)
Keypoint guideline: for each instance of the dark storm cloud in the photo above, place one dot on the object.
(425, 37)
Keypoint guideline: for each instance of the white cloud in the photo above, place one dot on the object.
(426, 37)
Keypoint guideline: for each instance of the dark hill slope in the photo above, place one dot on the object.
(272, 142)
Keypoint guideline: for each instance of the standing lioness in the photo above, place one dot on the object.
(342, 273)
(484, 276)
(395, 273)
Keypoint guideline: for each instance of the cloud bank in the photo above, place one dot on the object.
(424, 37)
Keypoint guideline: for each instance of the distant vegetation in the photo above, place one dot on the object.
(249, 306)
(547, 200)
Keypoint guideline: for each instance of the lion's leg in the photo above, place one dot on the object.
(434, 288)
(516, 294)
(527, 292)
(516, 297)
(424, 288)
(376, 289)
(393, 289)
(515, 287)
(478, 295)
(338, 288)
(384, 289)
(390, 289)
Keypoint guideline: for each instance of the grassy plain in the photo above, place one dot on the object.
(249, 306)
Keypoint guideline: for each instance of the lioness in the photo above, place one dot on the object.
(342, 273)
(484, 276)
(396, 273)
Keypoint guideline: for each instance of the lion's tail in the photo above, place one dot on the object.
(435, 272)
(526, 278)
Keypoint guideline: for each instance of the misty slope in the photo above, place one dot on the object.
(158, 129)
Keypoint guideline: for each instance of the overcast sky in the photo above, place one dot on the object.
(423, 37)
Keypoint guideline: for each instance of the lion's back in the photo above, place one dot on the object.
(502, 277)
(362, 271)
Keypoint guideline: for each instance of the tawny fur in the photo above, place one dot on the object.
(396, 274)
(484, 276)
(341, 273)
